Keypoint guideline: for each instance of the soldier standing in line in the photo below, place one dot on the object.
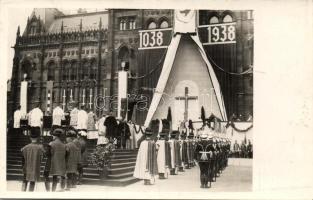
(204, 154)
(32, 155)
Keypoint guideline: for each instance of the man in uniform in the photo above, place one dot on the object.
(236, 149)
(204, 154)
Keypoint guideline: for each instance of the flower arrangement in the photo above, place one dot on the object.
(101, 157)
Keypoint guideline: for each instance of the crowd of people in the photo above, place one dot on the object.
(117, 130)
(66, 154)
(245, 150)
(162, 151)
(173, 153)
(65, 159)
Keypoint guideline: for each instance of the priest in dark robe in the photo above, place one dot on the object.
(146, 164)
(111, 124)
(123, 133)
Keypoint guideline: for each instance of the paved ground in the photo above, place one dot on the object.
(237, 177)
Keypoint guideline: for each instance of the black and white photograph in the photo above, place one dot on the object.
(116, 99)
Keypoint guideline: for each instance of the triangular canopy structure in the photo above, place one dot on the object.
(199, 73)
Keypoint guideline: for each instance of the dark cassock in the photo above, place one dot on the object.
(32, 155)
(203, 154)
(111, 124)
(190, 150)
(175, 153)
(216, 156)
(123, 134)
(163, 156)
(146, 164)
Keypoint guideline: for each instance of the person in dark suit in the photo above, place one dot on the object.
(73, 159)
(32, 155)
(57, 156)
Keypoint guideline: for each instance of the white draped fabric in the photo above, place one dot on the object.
(215, 83)
(57, 116)
(17, 119)
(35, 117)
(141, 171)
(166, 70)
(161, 156)
(82, 119)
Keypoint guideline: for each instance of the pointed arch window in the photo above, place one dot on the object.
(122, 24)
(132, 24)
(164, 24)
(227, 18)
(213, 20)
(152, 25)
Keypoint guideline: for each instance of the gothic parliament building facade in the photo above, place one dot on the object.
(76, 58)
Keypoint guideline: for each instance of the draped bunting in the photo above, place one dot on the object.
(150, 64)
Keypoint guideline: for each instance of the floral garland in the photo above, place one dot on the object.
(231, 123)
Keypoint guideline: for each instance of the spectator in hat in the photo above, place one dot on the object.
(73, 159)
(57, 154)
(80, 142)
(32, 155)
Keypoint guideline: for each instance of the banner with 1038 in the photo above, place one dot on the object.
(155, 38)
